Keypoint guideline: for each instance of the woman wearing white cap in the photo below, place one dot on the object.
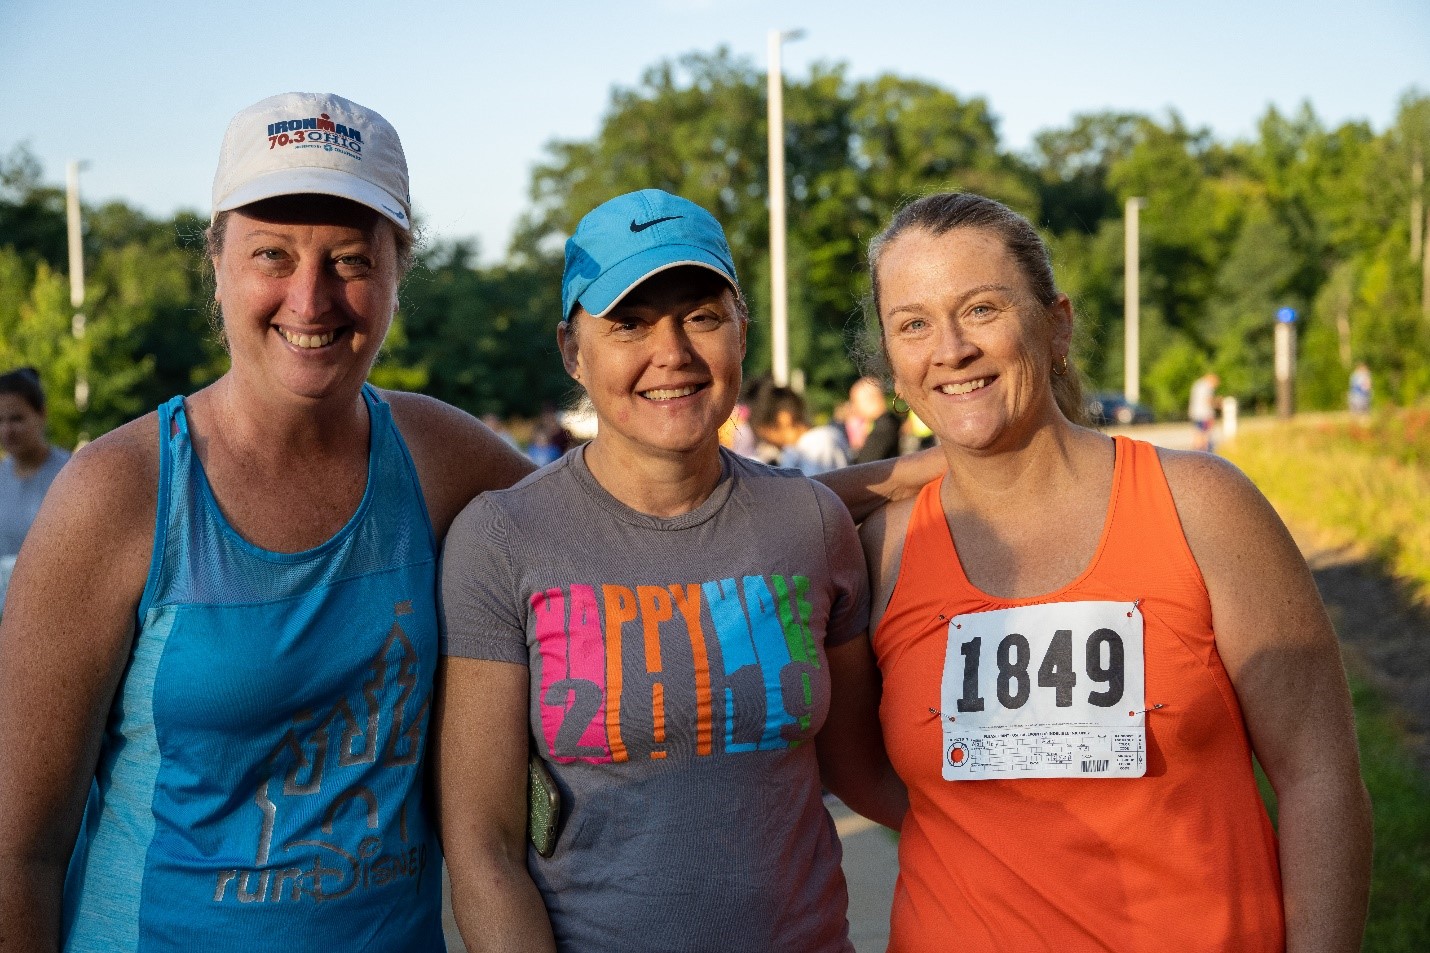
(217, 656)
(668, 622)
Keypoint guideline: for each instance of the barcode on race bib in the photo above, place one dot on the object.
(1046, 691)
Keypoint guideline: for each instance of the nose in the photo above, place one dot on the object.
(670, 344)
(309, 293)
(955, 347)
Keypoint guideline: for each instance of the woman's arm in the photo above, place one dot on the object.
(865, 487)
(68, 626)
(479, 762)
(852, 760)
(1281, 654)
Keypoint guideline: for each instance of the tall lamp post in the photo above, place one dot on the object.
(1131, 313)
(76, 263)
(779, 294)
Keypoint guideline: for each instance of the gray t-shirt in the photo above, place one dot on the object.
(20, 498)
(678, 679)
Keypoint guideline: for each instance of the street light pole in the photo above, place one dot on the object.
(76, 263)
(1131, 313)
(779, 293)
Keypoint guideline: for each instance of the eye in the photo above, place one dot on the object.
(984, 311)
(352, 266)
(913, 326)
(704, 320)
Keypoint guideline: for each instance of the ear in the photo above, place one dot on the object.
(1061, 314)
(570, 354)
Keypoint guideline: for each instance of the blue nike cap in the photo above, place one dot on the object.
(624, 241)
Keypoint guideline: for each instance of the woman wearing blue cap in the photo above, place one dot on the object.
(663, 623)
(217, 655)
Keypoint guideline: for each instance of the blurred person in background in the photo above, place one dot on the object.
(216, 663)
(1083, 641)
(873, 428)
(1201, 410)
(779, 418)
(30, 465)
(1358, 395)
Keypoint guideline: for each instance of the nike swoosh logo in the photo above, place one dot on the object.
(655, 221)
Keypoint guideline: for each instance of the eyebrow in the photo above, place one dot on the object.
(971, 292)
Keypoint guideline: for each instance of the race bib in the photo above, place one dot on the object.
(1045, 691)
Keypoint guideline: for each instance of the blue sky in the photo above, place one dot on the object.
(143, 90)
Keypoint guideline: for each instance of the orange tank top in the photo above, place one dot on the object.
(1182, 857)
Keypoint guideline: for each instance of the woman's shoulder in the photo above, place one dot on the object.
(1224, 517)
(122, 465)
(101, 506)
(1205, 485)
(456, 455)
(536, 498)
(778, 486)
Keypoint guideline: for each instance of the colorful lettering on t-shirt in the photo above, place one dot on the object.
(757, 672)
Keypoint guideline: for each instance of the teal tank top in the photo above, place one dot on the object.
(259, 785)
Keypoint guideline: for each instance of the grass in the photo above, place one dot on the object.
(1399, 919)
(1368, 483)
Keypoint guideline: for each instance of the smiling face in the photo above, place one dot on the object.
(307, 285)
(970, 346)
(662, 368)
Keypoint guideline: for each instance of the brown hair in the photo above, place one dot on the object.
(24, 383)
(943, 212)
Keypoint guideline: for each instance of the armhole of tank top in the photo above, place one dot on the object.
(173, 425)
(1162, 498)
(374, 402)
(904, 548)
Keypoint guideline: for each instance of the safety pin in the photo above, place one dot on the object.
(1134, 714)
(938, 714)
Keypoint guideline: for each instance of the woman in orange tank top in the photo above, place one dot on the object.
(1083, 642)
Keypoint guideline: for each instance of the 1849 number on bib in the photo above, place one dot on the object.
(1045, 691)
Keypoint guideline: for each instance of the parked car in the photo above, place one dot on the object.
(1107, 408)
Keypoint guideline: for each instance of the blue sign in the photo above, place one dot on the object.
(1286, 315)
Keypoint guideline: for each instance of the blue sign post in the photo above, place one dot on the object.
(1285, 362)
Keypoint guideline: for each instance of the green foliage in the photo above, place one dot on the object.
(1301, 215)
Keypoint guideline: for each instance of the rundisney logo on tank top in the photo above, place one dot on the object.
(729, 665)
(321, 806)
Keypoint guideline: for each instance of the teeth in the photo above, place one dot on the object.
(964, 388)
(669, 393)
(308, 340)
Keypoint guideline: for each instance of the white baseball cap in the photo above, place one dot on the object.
(300, 143)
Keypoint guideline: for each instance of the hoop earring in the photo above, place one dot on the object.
(1061, 367)
(896, 402)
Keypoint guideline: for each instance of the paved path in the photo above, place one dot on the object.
(871, 863)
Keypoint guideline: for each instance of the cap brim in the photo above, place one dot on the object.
(316, 182)
(606, 291)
